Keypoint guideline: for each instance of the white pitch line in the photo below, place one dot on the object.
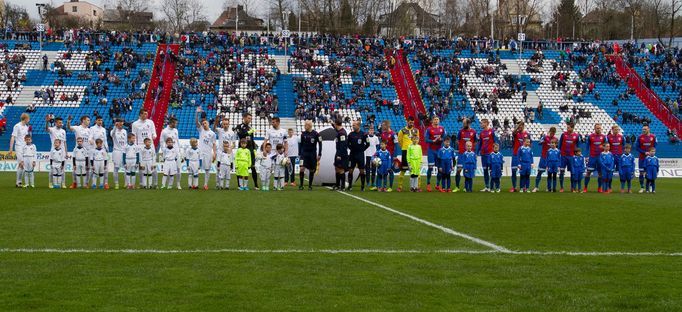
(244, 251)
(450, 231)
(340, 251)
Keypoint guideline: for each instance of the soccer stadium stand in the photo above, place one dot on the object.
(323, 78)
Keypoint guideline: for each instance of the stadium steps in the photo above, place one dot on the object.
(409, 95)
(51, 57)
(649, 98)
(283, 88)
(281, 61)
(513, 67)
(158, 107)
(26, 96)
(288, 123)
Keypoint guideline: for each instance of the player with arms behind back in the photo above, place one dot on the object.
(224, 166)
(496, 166)
(57, 163)
(595, 141)
(644, 143)
(568, 142)
(486, 142)
(466, 134)
(148, 165)
(434, 138)
(446, 158)
(626, 171)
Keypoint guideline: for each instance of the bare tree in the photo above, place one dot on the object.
(176, 13)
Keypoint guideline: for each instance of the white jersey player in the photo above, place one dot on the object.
(276, 135)
(57, 163)
(281, 163)
(225, 133)
(143, 128)
(170, 156)
(207, 146)
(98, 163)
(131, 161)
(80, 157)
(28, 161)
(193, 159)
(56, 132)
(264, 162)
(147, 165)
(171, 131)
(17, 142)
(224, 167)
(119, 136)
(81, 131)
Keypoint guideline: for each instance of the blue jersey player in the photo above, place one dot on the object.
(607, 164)
(446, 156)
(496, 165)
(577, 168)
(626, 170)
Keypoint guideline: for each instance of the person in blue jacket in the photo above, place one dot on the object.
(383, 169)
(553, 161)
(469, 168)
(525, 155)
(626, 170)
(606, 166)
(577, 170)
(446, 155)
(652, 167)
(496, 165)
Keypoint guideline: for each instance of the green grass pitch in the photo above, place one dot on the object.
(151, 250)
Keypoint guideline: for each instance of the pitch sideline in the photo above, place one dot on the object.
(339, 251)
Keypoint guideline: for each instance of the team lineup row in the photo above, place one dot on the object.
(135, 154)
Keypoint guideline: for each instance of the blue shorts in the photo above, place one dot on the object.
(432, 157)
(642, 165)
(616, 162)
(515, 161)
(566, 162)
(607, 174)
(543, 164)
(552, 168)
(593, 164)
(485, 161)
(626, 175)
(525, 169)
(460, 161)
(445, 168)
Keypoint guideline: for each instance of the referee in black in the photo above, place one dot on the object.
(357, 144)
(244, 131)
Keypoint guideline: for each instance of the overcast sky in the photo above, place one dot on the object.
(212, 8)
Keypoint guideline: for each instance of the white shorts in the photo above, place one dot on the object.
(19, 152)
(80, 167)
(279, 171)
(57, 170)
(193, 167)
(28, 164)
(117, 159)
(206, 161)
(131, 167)
(225, 170)
(170, 168)
(98, 167)
(149, 167)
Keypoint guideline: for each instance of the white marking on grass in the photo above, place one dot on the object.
(431, 224)
(243, 251)
(341, 251)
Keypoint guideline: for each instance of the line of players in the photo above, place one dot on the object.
(354, 150)
(607, 154)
